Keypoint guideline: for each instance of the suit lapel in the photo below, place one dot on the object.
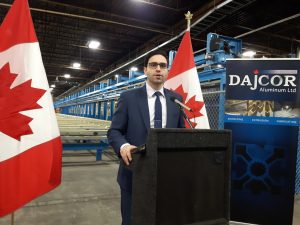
(169, 107)
(143, 105)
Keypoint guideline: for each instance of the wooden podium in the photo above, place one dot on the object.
(182, 178)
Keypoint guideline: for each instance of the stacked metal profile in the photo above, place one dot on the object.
(79, 133)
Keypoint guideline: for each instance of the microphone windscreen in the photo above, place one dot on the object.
(172, 98)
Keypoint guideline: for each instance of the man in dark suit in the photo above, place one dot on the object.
(139, 110)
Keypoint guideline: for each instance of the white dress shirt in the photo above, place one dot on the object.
(151, 105)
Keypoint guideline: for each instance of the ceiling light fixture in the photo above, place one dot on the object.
(249, 54)
(133, 68)
(53, 85)
(67, 75)
(156, 5)
(93, 44)
(76, 65)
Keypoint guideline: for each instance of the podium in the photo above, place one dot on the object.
(182, 178)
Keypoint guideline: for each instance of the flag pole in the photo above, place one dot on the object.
(188, 17)
(13, 218)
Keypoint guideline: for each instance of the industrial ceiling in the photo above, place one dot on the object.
(127, 29)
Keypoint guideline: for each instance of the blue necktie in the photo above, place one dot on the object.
(158, 111)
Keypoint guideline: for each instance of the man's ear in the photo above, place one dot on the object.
(145, 70)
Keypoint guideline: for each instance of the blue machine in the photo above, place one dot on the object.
(99, 147)
(218, 49)
(100, 101)
(212, 70)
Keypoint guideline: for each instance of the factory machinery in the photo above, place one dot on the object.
(85, 115)
(80, 133)
(99, 101)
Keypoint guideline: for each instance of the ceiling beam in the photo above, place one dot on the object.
(90, 18)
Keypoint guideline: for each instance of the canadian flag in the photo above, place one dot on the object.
(30, 144)
(183, 79)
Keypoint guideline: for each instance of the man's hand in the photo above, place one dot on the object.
(125, 153)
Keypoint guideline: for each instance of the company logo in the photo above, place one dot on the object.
(266, 80)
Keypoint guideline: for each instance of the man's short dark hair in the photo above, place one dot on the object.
(157, 52)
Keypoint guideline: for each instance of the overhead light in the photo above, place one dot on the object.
(93, 44)
(76, 65)
(133, 68)
(53, 85)
(67, 75)
(249, 54)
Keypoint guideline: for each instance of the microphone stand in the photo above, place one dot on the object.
(185, 117)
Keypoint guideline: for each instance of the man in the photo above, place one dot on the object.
(139, 110)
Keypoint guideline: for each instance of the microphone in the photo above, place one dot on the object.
(173, 99)
(181, 106)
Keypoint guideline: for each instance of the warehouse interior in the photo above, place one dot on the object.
(82, 77)
(127, 29)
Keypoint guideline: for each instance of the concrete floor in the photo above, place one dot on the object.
(88, 195)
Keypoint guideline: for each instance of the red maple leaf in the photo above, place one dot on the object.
(180, 91)
(196, 106)
(12, 101)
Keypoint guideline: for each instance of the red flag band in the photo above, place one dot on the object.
(183, 79)
(30, 144)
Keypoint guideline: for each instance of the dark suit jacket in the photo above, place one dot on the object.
(131, 122)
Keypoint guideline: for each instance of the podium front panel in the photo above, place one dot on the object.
(183, 179)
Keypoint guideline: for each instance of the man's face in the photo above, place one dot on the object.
(156, 71)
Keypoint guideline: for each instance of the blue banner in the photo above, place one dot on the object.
(262, 109)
